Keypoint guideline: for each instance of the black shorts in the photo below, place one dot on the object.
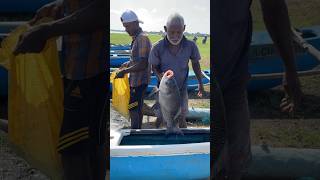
(84, 119)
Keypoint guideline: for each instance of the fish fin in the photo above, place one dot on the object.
(177, 115)
(156, 109)
(178, 131)
(154, 91)
(174, 131)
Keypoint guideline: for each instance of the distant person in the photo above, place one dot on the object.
(195, 38)
(173, 52)
(204, 40)
(231, 33)
(82, 143)
(137, 67)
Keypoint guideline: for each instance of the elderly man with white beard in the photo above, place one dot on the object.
(173, 52)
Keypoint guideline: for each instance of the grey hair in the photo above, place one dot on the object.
(175, 18)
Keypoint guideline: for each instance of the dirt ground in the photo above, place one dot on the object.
(12, 167)
(271, 126)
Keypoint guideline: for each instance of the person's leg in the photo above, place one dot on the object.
(238, 130)
(133, 108)
(74, 134)
(184, 108)
(218, 131)
(76, 166)
(98, 157)
(140, 104)
(98, 126)
(102, 155)
(157, 111)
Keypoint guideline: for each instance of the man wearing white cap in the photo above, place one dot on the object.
(137, 67)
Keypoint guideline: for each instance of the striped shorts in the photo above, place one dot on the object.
(84, 121)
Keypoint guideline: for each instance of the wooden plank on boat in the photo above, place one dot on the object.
(305, 45)
(280, 75)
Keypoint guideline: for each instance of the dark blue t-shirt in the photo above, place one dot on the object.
(160, 55)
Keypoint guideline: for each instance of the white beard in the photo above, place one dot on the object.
(175, 43)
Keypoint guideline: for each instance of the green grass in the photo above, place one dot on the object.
(302, 13)
(286, 133)
(123, 38)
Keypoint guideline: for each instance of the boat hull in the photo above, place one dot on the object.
(184, 167)
(263, 58)
(150, 154)
(22, 6)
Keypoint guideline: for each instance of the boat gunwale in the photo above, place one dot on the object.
(117, 150)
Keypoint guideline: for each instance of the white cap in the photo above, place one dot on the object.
(129, 16)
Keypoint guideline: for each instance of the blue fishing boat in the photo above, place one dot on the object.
(263, 58)
(150, 154)
(192, 82)
(120, 52)
(120, 47)
(117, 61)
(22, 6)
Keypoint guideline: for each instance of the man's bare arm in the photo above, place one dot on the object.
(157, 72)
(197, 71)
(87, 19)
(275, 15)
(276, 18)
(137, 66)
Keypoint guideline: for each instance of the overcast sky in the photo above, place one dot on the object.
(154, 13)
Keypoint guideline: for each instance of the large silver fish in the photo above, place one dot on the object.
(169, 99)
